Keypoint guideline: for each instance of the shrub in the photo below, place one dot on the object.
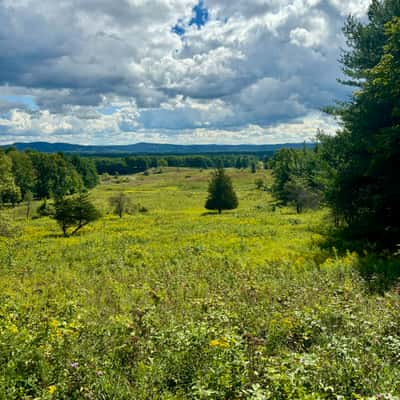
(260, 184)
(46, 209)
(121, 204)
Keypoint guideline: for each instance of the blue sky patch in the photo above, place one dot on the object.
(200, 15)
(179, 29)
(27, 101)
(199, 18)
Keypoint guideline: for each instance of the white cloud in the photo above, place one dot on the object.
(113, 72)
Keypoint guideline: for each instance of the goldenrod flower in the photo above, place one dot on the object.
(13, 329)
(52, 389)
(222, 342)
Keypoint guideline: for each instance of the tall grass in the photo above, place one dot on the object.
(177, 303)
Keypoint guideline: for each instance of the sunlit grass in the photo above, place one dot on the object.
(180, 303)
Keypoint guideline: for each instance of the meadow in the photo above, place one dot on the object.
(181, 303)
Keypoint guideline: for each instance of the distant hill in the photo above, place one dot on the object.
(153, 148)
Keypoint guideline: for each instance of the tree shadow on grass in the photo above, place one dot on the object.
(204, 214)
(379, 267)
(60, 235)
(380, 273)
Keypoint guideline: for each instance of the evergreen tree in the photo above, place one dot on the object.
(366, 188)
(221, 194)
(75, 212)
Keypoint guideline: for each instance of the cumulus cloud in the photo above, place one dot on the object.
(99, 71)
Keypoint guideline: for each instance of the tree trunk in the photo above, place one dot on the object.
(219, 211)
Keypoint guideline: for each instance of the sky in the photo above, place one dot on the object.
(170, 71)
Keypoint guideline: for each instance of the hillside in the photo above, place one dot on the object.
(153, 148)
(178, 303)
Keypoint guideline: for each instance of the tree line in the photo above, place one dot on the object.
(135, 164)
(30, 174)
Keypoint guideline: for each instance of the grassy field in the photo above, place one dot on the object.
(180, 303)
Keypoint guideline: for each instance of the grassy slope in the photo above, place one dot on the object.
(178, 303)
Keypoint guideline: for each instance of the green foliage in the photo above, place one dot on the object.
(46, 209)
(136, 164)
(56, 177)
(298, 177)
(75, 212)
(260, 184)
(121, 204)
(23, 171)
(86, 168)
(9, 191)
(44, 175)
(299, 193)
(28, 199)
(365, 190)
(221, 195)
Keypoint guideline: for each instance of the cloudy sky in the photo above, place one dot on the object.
(174, 71)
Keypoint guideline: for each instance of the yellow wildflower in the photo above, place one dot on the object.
(13, 329)
(54, 323)
(52, 389)
(222, 342)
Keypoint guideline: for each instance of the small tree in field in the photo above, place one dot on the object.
(300, 195)
(121, 204)
(75, 212)
(221, 195)
(28, 198)
(260, 184)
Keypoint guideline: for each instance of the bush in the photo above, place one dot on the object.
(121, 204)
(260, 184)
(46, 209)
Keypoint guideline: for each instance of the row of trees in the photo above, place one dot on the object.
(355, 172)
(135, 164)
(25, 175)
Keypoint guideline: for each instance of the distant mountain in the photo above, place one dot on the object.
(153, 148)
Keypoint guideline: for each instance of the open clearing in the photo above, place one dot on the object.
(180, 303)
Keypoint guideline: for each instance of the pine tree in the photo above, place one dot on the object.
(221, 194)
(366, 191)
(75, 212)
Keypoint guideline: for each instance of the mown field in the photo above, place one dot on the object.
(180, 303)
